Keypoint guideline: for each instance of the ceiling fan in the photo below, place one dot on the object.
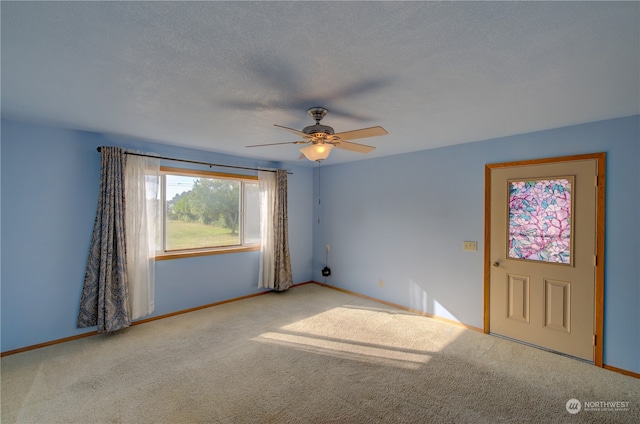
(323, 138)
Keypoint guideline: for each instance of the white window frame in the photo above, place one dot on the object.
(163, 254)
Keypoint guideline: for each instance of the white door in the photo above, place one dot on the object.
(543, 254)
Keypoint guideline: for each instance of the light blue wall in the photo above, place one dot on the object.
(50, 180)
(402, 219)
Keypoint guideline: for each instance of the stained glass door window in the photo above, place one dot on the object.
(540, 220)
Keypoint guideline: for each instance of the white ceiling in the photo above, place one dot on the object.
(217, 75)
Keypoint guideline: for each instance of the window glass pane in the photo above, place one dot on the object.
(540, 220)
(201, 212)
(252, 214)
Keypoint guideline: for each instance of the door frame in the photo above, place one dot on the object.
(600, 238)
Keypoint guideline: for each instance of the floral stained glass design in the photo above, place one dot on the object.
(540, 220)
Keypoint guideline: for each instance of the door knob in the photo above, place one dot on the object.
(496, 264)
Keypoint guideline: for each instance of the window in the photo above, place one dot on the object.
(540, 220)
(207, 213)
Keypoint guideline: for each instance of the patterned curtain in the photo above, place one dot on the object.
(104, 301)
(282, 260)
(275, 263)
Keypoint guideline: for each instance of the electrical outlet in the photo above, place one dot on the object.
(381, 283)
(328, 247)
(470, 245)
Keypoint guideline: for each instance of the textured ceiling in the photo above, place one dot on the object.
(217, 75)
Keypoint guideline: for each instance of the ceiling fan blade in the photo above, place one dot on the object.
(362, 133)
(354, 147)
(300, 133)
(275, 144)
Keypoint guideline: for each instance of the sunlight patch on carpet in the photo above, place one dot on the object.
(346, 349)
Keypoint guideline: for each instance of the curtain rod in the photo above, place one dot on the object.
(200, 163)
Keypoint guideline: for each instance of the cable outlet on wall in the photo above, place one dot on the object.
(470, 245)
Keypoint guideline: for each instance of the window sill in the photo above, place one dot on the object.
(194, 253)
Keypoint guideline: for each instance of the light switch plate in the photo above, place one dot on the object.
(470, 245)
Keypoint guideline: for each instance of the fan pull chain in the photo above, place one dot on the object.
(319, 200)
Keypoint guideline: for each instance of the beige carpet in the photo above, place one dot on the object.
(308, 355)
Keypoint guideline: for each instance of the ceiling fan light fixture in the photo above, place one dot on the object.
(317, 152)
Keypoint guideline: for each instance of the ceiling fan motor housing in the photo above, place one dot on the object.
(318, 129)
